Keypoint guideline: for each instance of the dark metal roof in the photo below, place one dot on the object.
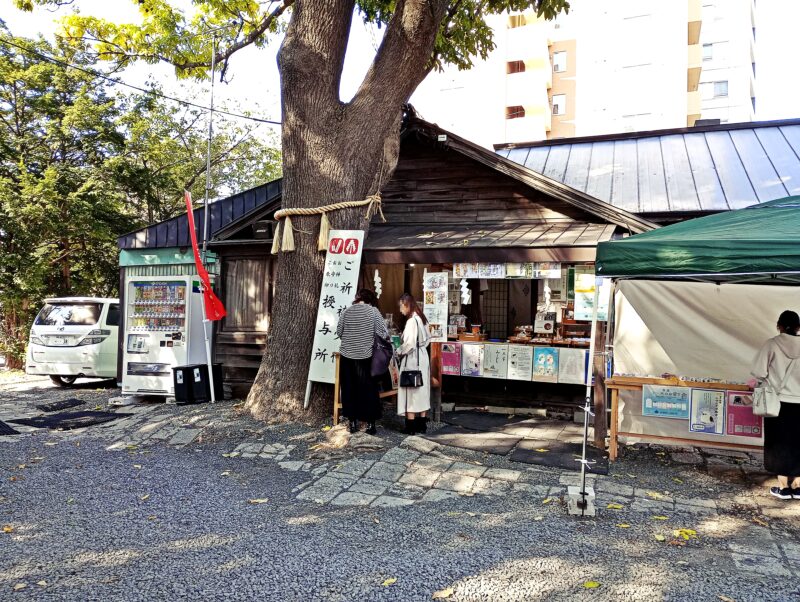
(175, 232)
(713, 168)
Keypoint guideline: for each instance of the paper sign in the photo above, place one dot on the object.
(471, 359)
(666, 402)
(495, 361)
(741, 421)
(545, 364)
(339, 285)
(435, 304)
(572, 365)
(585, 283)
(486, 271)
(520, 362)
(707, 412)
(451, 358)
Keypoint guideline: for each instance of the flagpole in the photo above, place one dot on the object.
(206, 219)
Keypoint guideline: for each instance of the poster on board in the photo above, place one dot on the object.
(545, 364)
(451, 358)
(471, 359)
(486, 271)
(572, 364)
(666, 402)
(435, 304)
(707, 411)
(542, 270)
(495, 361)
(520, 362)
(741, 421)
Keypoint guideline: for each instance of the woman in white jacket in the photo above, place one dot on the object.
(779, 359)
(414, 402)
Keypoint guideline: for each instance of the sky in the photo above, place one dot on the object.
(254, 82)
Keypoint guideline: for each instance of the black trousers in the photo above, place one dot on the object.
(782, 441)
(360, 399)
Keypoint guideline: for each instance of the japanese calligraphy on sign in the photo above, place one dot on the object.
(339, 283)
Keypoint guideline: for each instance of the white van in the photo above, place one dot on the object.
(74, 337)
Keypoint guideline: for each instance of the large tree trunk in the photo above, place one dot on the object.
(332, 151)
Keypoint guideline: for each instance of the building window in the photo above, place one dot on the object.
(560, 61)
(708, 52)
(515, 21)
(720, 89)
(515, 112)
(515, 66)
(559, 104)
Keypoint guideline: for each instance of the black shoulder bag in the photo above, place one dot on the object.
(412, 378)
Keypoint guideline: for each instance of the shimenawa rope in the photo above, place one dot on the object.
(286, 241)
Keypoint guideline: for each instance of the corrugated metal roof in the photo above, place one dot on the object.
(175, 232)
(499, 235)
(710, 169)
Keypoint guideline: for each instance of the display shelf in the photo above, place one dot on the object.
(171, 303)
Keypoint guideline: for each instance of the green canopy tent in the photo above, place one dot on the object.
(757, 244)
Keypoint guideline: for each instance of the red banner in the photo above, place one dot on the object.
(215, 310)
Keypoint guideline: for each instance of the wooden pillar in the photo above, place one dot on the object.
(599, 389)
(436, 381)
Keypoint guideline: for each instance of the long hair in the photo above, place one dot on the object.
(407, 299)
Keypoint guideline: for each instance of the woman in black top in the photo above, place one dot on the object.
(358, 325)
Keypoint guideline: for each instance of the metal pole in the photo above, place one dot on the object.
(587, 407)
(206, 219)
(208, 149)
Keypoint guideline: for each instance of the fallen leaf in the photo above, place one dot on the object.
(326, 428)
(538, 518)
(452, 513)
(50, 443)
(145, 497)
(37, 459)
(21, 466)
(389, 581)
(758, 521)
(725, 598)
(591, 585)
(137, 466)
(542, 450)
(547, 500)
(20, 586)
(633, 476)
(259, 500)
(230, 455)
(225, 473)
(8, 529)
(152, 517)
(131, 446)
(660, 537)
(443, 593)
(71, 501)
(471, 514)
(660, 454)
(624, 526)
(660, 518)
(12, 478)
(614, 506)
(677, 480)
(42, 583)
(686, 534)
(677, 542)
(376, 520)
(654, 495)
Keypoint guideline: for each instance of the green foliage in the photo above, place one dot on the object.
(165, 33)
(79, 166)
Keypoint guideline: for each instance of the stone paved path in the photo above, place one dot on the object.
(651, 493)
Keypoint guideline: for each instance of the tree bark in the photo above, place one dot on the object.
(332, 151)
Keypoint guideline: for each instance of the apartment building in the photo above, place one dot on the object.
(606, 67)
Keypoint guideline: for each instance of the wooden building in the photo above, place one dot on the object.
(448, 201)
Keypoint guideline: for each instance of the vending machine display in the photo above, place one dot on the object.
(163, 328)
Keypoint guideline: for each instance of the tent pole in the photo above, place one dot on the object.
(587, 407)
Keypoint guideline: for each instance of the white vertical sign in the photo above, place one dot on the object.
(436, 292)
(339, 287)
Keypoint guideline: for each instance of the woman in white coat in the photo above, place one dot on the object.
(414, 402)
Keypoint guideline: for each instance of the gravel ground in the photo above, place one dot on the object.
(169, 523)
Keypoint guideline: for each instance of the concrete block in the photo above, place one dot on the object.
(574, 499)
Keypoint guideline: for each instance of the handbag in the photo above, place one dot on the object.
(382, 353)
(766, 400)
(412, 378)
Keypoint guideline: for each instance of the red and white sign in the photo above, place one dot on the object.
(339, 287)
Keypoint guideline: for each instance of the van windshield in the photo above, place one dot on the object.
(68, 314)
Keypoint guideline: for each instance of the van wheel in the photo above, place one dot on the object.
(63, 381)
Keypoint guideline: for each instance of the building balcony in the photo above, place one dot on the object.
(692, 107)
(694, 67)
(695, 20)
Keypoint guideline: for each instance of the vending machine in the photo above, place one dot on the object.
(163, 329)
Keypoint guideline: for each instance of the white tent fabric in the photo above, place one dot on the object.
(691, 329)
